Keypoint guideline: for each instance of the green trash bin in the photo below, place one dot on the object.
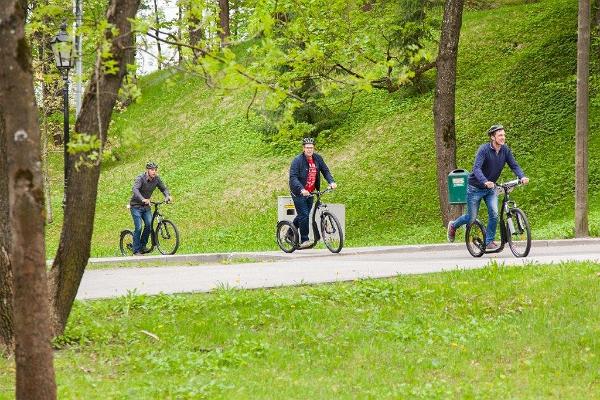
(457, 186)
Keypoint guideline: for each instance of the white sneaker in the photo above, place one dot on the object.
(305, 244)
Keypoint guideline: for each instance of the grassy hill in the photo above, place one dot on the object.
(516, 66)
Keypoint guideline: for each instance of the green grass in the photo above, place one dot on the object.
(520, 332)
(517, 66)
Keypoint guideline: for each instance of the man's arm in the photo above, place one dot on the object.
(137, 185)
(325, 171)
(479, 159)
(513, 164)
(295, 184)
(163, 189)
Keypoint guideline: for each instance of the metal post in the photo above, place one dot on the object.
(65, 76)
(78, 89)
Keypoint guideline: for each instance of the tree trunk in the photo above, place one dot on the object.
(6, 282)
(21, 137)
(157, 33)
(195, 28)
(444, 103)
(96, 110)
(582, 120)
(224, 32)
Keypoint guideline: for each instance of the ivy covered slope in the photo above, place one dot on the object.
(517, 66)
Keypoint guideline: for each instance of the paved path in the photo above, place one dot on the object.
(310, 266)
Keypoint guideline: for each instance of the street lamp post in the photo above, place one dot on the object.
(62, 47)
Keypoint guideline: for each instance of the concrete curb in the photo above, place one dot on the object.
(206, 258)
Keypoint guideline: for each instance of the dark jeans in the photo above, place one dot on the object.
(138, 214)
(474, 197)
(303, 206)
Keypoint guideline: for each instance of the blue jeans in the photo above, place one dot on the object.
(474, 196)
(138, 214)
(303, 206)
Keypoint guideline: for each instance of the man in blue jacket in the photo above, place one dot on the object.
(489, 162)
(304, 178)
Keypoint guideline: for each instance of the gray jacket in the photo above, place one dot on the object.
(143, 188)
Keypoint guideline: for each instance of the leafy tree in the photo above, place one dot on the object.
(315, 48)
(91, 126)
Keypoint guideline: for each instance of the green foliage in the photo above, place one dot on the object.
(311, 50)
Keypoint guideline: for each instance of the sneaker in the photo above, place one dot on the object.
(491, 246)
(451, 233)
(305, 244)
(289, 236)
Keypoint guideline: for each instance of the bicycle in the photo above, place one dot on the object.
(288, 237)
(515, 230)
(165, 236)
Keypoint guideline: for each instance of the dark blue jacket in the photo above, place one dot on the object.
(299, 173)
(489, 164)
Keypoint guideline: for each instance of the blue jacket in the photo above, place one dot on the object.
(299, 173)
(489, 164)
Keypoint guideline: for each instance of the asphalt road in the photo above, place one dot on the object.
(310, 266)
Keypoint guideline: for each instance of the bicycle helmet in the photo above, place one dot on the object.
(151, 165)
(494, 128)
(308, 140)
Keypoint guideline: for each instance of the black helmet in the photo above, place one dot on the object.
(151, 165)
(494, 128)
(308, 140)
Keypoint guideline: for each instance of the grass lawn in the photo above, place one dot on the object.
(499, 332)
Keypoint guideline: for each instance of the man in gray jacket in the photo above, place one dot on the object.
(139, 205)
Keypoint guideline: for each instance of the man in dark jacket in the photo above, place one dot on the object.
(143, 186)
(304, 178)
(490, 159)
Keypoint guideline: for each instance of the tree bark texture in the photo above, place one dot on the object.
(96, 110)
(224, 31)
(582, 120)
(33, 351)
(6, 281)
(444, 103)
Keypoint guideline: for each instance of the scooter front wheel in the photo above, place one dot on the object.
(286, 235)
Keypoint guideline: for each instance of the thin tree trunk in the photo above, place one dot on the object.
(195, 29)
(33, 352)
(157, 33)
(582, 120)
(444, 103)
(179, 34)
(96, 110)
(224, 31)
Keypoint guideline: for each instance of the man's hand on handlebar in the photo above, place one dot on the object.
(489, 184)
(333, 185)
(524, 180)
(305, 193)
(169, 199)
(146, 201)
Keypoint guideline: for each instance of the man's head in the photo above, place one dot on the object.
(308, 146)
(151, 168)
(497, 134)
